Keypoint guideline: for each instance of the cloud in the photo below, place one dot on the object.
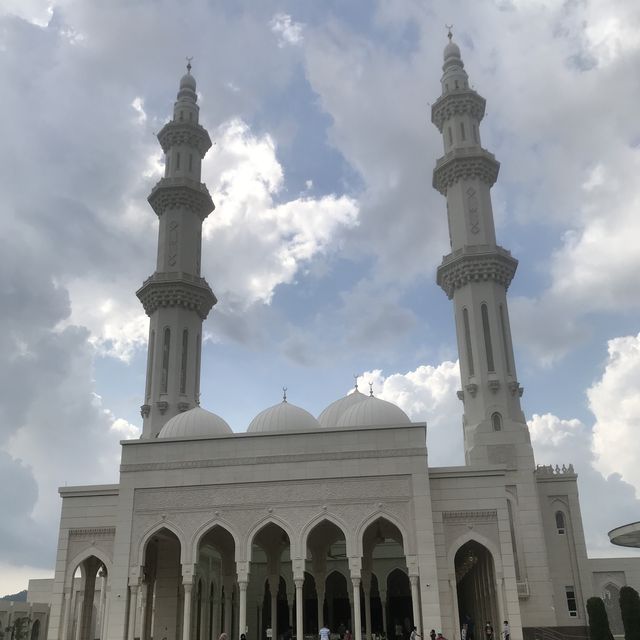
(289, 32)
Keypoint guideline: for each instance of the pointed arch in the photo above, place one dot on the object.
(81, 557)
(480, 539)
(407, 542)
(316, 520)
(203, 529)
(158, 526)
(263, 522)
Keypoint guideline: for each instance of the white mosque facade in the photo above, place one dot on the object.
(339, 519)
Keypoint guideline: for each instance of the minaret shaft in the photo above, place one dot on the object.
(176, 298)
(476, 276)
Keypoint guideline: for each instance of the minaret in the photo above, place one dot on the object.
(176, 298)
(476, 275)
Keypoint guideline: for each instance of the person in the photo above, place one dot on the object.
(223, 636)
(432, 634)
(440, 637)
(398, 630)
(243, 636)
(347, 635)
(341, 630)
(506, 630)
(414, 633)
(324, 633)
(464, 632)
(488, 631)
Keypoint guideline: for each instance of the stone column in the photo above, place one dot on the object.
(68, 597)
(290, 596)
(357, 622)
(78, 617)
(133, 609)
(415, 603)
(299, 582)
(320, 589)
(103, 602)
(144, 603)
(228, 600)
(186, 610)
(383, 604)
(259, 630)
(242, 616)
(366, 588)
(274, 585)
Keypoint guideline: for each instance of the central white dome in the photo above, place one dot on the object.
(195, 422)
(373, 412)
(330, 416)
(283, 417)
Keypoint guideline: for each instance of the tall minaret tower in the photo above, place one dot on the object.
(176, 298)
(476, 275)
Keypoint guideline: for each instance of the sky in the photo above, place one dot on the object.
(327, 233)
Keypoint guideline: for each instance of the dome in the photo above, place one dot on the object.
(452, 50)
(188, 82)
(282, 417)
(373, 412)
(330, 416)
(195, 422)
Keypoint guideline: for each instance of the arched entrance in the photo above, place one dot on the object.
(87, 600)
(163, 594)
(476, 588)
(386, 607)
(337, 611)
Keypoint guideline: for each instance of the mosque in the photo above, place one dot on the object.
(212, 531)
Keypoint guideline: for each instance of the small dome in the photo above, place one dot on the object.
(188, 82)
(373, 412)
(330, 416)
(195, 422)
(452, 50)
(282, 417)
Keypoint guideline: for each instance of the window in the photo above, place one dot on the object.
(475, 133)
(496, 421)
(463, 135)
(177, 159)
(183, 365)
(450, 136)
(572, 604)
(512, 529)
(560, 524)
(457, 85)
(505, 342)
(467, 340)
(165, 360)
(152, 341)
(487, 338)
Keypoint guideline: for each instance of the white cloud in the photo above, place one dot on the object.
(289, 32)
(615, 403)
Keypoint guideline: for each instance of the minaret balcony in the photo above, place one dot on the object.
(176, 289)
(181, 193)
(458, 102)
(186, 133)
(476, 264)
(465, 164)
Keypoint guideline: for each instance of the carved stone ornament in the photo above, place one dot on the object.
(176, 290)
(162, 405)
(462, 267)
(145, 410)
(172, 243)
(460, 394)
(515, 387)
(465, 101)
(494, 385)
(183, 406)
(181, 193)
(465, 164)
(184, 133)
(472, 210)
(92, 533)
(486, 515)
(472, 388)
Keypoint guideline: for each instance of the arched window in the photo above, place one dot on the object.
(467, 340)
(487, 338)
(560, 523)
(463, 134)
(177, 159)
(496, 421)
(505, 341)
(152, 344)
(165, 360)
(183, 365)
(450, 136)
(512, 529)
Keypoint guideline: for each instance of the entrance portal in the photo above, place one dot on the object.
(476, 587)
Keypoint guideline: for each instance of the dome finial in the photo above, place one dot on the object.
(284, 394)
(355, 381)
(449, 34)
(371, 389)
(189, 59)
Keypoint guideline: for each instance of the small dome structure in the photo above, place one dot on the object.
(283, 417)
(373, 412)
(452, 50)
(195, 422)
(188, 82)
(331, 414)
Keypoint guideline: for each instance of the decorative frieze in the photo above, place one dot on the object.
(181, 193)
(176, 290)
(454, 103)
(163, 406)
(484, 515)
(551, 470)
(190, 134)
(461, 268)
(465, 164)
(183, 406)
(93, 532)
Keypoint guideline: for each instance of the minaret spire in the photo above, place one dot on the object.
(176, 298)
(476, 276)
